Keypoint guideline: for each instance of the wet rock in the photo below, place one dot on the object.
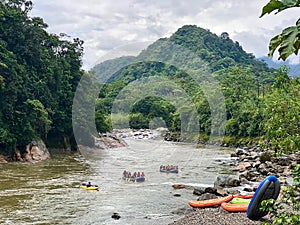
(263, 169)
(221, 191)
(232, 182)
(17, 156)
(198, 191)
(245, 175)
(239, 151)
(233, 155)
(282, 161)
(3, 159)
(109, 140)
(116, 216)
(207, 196)
(243, 166)
(226, 181)
(36, 151)
(221, 181)
(181, 186)
(248, 189)
(211, 190)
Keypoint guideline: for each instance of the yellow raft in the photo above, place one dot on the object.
(89, 187)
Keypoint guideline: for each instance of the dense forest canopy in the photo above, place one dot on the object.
(39, 73)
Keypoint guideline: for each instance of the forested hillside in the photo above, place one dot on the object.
(39, 73)
(250, 90)
(108, 67)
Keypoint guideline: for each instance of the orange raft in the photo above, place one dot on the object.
(243, 196)
(210, 202)
(234, 207)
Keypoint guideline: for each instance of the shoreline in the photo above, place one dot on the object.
(216, 216)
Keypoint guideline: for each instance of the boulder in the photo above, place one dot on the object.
(232, 182)
(36, 151)
(207, 196)
(240, 151)
(243, 166)
(198, 191)
(3, 159)
(226, 181)
(221, 181)
(116, 216)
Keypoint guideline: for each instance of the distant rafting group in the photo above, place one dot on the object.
(140, 176)
(168, 169)
(133, 177)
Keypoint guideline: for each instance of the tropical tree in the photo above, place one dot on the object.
(281, 114)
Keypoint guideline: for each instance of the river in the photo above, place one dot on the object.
(48, 192)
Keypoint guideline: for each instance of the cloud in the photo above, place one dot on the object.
(106, 25)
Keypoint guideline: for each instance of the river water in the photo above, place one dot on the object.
(48, 192)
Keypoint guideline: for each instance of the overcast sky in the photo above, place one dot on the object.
(108, 26)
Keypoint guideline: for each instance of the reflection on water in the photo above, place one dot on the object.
(49, 193)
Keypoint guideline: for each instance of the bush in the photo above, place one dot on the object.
(265, 156)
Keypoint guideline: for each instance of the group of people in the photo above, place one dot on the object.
(168, 167)
(128, 174)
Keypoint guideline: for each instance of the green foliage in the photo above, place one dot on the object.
(281, 114)
(37, 117)
(138, 120)
(289, 40)
(39, 73)
(279, 6)
(103, 123)
(265, 156)
(286, 210)
(153, 107)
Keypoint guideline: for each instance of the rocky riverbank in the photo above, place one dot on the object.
(252, 165)
(35, 151)
(140, 134)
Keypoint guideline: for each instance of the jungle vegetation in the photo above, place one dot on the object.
(39, 73)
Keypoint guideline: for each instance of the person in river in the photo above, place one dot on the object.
(88, 184)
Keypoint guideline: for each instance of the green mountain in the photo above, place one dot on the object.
(213, 52)
(193, 72)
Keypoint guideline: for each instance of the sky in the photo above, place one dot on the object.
(125, 27)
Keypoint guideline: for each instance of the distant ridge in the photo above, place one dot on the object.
(294, 69)
(104, 70)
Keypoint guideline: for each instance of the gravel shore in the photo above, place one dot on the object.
(216, 216)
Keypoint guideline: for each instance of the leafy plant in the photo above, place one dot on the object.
(289, 40)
